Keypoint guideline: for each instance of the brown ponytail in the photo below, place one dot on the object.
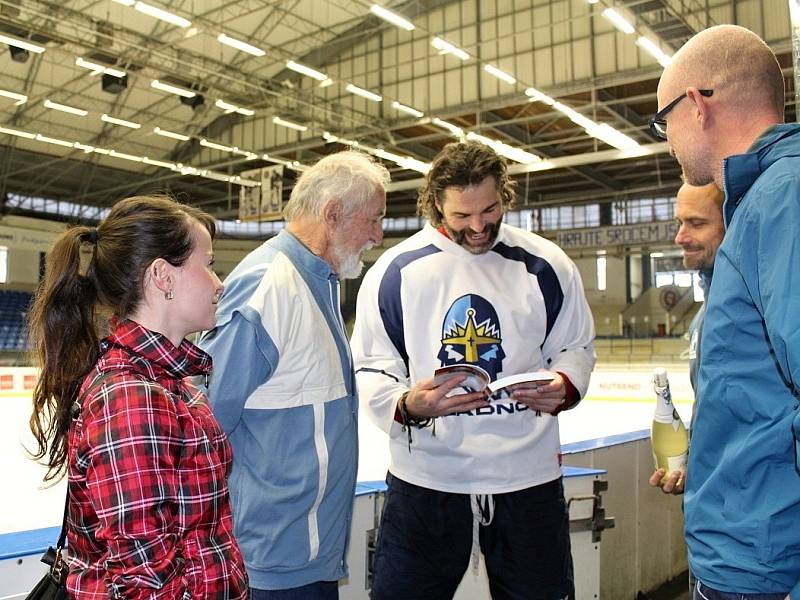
(63, 334)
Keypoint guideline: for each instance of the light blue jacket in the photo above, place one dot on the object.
(742, 497)
(283, 389)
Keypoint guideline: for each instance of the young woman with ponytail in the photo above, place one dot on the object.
(147, 464)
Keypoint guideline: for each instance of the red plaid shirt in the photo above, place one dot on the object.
(149, 513)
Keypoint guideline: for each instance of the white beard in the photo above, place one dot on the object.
(350, 265)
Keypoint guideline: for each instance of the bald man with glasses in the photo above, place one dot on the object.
(721, 109)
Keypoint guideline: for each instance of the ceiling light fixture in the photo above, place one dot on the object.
(158, 163)
(122, 122)
(407, 109)
(65, 108)
(215, 146)
(240, 45)
(54, 141)
(653, 50)
(304, 70)
(516, 154)
(502, 75)
(126, 2)
(326, 83)
(454, 129)
(96, 68)
(124, 156)
(618, 21)
(170, 134)
(17, 132)
(445, 47)
(161, 14)
(392, 17)
(537, 96)
(605, 133)
(354, 89)
(24, 44)
(172, 89)
(230, 108)
(20, 98)
(289, 124)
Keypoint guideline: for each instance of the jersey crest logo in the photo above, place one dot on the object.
(471, 334)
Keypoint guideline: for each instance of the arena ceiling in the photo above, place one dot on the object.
(82, 120)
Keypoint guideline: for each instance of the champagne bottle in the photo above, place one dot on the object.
(668, 436)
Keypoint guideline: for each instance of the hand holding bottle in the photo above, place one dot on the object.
(669, 438)
(669, 484)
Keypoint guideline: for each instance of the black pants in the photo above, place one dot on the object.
(425, 540)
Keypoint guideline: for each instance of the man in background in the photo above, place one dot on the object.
(698, 211)
(722, 105)
(283, 386)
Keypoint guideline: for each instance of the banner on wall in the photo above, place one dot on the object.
(264, 202)
(621, 235)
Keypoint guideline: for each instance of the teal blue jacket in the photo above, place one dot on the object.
(742, 498)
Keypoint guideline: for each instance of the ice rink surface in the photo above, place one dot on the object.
(620, 400)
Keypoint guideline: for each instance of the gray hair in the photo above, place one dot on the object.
(349, 176)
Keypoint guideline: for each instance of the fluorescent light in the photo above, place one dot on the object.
(618, 21)
(54, 141)
(20, 98)
(445, 47)
(215, 146)
(329, 137)
(574, 115)
(65, 108)
(354, 89)
(17, 132)
(240, 45)
(415, 165)
(289, 124)
(516, 154)
(605, 133)
(407, 109)
(502, 75)
(85, 147)
(304, 70)
(158, 163)
(170, 134)
(653, 50)
(326, 83)
(381, 153)
(116, 121)
(162, 15)
(172, 89)
(537, 96)
(454, 129)
(126, 2)
(229, 108)
(96, 68)
(24, 44)
(391, 17)
(123, 156)
(101, 151)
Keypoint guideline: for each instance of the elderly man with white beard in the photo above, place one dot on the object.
(283, 386)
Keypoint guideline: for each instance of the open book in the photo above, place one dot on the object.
(478, 379)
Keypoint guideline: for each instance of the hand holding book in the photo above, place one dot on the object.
(477, 379)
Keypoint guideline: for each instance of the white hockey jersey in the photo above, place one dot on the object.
(428, 302)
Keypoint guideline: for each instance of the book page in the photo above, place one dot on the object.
(498, 388)
(476, 378)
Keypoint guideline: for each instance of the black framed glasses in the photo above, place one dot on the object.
(658, 122)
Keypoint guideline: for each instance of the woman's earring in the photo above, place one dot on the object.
(169, 295)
